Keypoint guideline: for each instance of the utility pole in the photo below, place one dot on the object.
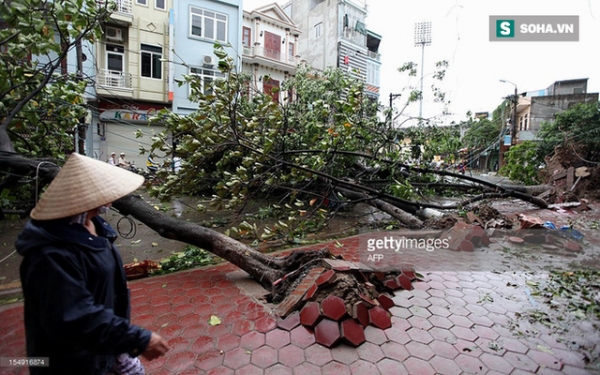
(422, 39)
(81, 127)
(513, 131)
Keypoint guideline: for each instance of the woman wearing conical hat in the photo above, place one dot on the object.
(76, 297)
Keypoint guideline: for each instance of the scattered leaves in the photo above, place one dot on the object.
(214, 320)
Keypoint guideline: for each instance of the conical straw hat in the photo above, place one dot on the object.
(83, 184)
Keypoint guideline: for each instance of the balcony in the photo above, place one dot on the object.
(374, 55)
(123, 12)
(268, 57)
(110, 82)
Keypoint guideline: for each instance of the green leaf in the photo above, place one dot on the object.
(214, 320)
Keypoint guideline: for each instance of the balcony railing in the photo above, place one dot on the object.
(113, 79)
(374, 55)
(121, 6)
(258, 51)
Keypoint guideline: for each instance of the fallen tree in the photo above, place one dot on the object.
(325, 140)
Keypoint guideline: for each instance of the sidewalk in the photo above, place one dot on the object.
(460, 320)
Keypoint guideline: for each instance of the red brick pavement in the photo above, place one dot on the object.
(443, 326)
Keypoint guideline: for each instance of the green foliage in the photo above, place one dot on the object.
(238, 147)
(482, 133)
(578, 127)
(522, 163)
(38, 104)
(190, 257)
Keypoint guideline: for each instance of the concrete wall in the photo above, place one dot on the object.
(543, 108)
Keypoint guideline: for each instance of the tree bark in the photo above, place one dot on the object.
(265, 269)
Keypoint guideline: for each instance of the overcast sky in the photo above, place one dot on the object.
(460, 36)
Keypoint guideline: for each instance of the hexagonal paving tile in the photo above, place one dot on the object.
(385, 301)
(334, 308)
(236, 358)
(327, 333)
(380, 318)
(352, 332)
(370, 352)
(302, 337)
(264, 356)
(290, 322)
(318, 355)
(310, 314)
(291, 355)
(360, 312)
(326, 278)
(278, 338)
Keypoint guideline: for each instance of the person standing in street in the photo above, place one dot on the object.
(76, 297)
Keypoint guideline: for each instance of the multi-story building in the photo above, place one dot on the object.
(197, 25)
(148, 46)
(270, 39)
(335, 35)
(130, 78)
(536, 107)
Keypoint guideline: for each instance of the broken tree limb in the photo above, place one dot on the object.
(508, 189)
(404, 217)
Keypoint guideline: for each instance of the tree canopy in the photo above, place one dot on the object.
(577, 129)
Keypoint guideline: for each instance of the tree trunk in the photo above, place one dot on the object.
(265, 269)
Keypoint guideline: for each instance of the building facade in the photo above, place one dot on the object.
(147, 48)
(131, 82)
(270, 50)
(535, 107)
(334, 34)
(196, 26)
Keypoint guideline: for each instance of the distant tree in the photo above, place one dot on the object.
(577, 129)
(481, 134)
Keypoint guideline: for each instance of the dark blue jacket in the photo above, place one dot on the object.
(76, 298)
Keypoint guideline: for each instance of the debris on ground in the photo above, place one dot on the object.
(570, 177)
(337, 300)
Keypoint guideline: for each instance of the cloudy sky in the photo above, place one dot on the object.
(476, 65)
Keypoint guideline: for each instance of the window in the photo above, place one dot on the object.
(206, 78)
(115, 65)
(318, 30)
(151, 64)
(208, 24)
(115, 56)
(373, 74)
(291, 49)
(526, 122)
(159, 4)
(142, 2)
(246, 36)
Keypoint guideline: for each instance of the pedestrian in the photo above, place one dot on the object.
(113, 159)
(76, 297)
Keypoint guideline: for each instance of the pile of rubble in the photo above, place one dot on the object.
(571, 177)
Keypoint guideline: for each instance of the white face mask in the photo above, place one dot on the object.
(102, 210)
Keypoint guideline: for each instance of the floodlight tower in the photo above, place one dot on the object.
(422, 39)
